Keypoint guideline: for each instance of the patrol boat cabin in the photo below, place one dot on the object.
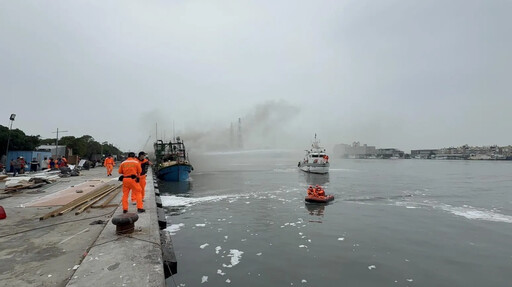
(316, 159)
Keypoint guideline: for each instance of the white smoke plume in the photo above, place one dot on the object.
(266, 126)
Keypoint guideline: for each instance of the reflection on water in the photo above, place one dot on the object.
(257, 218)
(315, 209)
(314, 178)
(182, 188)
(171, 187)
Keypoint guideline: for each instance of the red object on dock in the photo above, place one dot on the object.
(2, 213)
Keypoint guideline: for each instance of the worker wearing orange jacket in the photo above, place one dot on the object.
(311, 191)
(63, 162)
(319, 191)
(130, 172)
(109, 164)
(144, 164)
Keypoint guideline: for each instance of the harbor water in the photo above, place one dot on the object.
(242, 221)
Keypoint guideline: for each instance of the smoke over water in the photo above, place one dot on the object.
(266, 126)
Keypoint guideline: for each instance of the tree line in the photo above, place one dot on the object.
(84, 146)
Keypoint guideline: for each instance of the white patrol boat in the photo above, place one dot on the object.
(315, 160)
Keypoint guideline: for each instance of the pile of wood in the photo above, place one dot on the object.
(25, 182)
(91, 199)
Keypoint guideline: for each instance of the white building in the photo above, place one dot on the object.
(60, 150)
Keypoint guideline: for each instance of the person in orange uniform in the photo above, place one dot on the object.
(319, 191)
(130, 172)
(144, 164)
(63, 162)
(109, 164)
(311, 191)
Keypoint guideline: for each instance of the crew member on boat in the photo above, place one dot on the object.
(311, 191)
(319, 191)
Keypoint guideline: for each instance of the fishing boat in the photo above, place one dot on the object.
(172, 162)
(315, 160)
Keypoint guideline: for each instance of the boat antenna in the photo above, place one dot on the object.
(146, 142)
(173, 132)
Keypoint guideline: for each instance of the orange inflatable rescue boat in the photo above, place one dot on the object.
(317, 195)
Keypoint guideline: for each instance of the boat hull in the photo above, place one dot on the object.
(324, 199)
(179, 172)
(315, 168)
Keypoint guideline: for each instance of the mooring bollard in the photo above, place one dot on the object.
(125, 223)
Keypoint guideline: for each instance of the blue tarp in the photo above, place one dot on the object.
(28, 156)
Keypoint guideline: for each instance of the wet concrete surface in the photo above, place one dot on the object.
(49, 252)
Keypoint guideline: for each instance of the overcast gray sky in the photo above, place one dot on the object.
(406, 74)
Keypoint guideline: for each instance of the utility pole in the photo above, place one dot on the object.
(231, 137)
(57, 142)
(13, 116)
(240, 143)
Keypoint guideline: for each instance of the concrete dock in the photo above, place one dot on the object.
(78, 250)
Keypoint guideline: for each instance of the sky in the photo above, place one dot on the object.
(390, 73)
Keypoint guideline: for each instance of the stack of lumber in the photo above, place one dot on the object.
(87, 200)
(68, 194)
(26, 182)
(35, 181)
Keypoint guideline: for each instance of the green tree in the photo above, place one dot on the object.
(48, 141)
(110, 149)
(18, 140)
(86, 147)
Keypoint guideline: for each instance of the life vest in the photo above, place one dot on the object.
(144, 164)
(109, 161)
(129, 167)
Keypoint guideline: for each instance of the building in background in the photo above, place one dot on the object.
(389, 153)
(56, 152)
(356, 150)
(424, 153)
